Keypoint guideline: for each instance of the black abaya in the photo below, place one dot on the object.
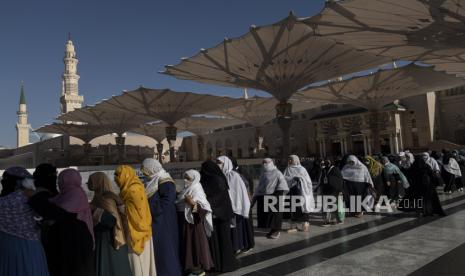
(221, 247)
(215, 185)
(423, 189)
(67, 242)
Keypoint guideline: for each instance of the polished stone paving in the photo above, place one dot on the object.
(381, 244)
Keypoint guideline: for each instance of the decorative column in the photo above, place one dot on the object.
(324, 148)
(396, 143)
(391, 143)
(171, 134)
(375, 125)
(370, 141)
(365, 148)
(341, 140)
(200, 147)
(284, 119)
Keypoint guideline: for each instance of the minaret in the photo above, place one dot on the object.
(70, 98)
(22, 127)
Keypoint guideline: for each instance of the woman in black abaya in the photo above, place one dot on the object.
(423, 189)
(215, 185)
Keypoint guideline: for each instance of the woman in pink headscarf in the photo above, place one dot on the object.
(69, 240)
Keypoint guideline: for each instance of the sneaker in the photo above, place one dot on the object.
(275, 236)
(326, 224)
(292, 230)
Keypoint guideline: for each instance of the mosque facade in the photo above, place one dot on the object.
(434, 120)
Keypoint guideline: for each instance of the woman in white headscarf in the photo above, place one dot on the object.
(300, 184)
(272, 185)
(240, 204)
(451, 173)
(357, 178)
(434, 165)
(161, 193)
(195, 225)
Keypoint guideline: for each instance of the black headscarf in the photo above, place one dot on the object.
(12, 178)
(45, 176)
(215, 185)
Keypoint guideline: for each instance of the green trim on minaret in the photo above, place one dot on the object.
(22, 98)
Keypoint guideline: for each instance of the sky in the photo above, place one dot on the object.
(120, 45)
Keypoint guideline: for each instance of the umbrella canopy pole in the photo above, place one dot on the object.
(160, 151)
(120, 144)
(171, 133)
(258, 141)
(284, 119)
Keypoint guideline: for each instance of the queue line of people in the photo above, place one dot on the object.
(150, 228)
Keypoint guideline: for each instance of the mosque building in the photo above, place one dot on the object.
(435, 120)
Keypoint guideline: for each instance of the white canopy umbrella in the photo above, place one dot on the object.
(199, 125)
(430, 31)
(84, 132)
(375, 90)
(280, 59)
(107, 119)
(167, 106)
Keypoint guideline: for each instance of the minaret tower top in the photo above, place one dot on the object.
(22, 127)
(70, 98)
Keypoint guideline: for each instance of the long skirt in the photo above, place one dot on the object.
(275, 219)
(143, 264)
(221, 246)
(354, 189)
(242, 234)
(431, 203)
(262, 216)
(109, 261)
(449, 180)
(194, 251)
(20, 257)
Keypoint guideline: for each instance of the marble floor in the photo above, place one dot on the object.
(383, 244)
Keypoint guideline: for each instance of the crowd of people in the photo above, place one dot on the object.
(48, 226)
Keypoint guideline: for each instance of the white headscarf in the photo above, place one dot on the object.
(431, 162)
(155, 172)
(411, 158)
(237, 190)
(297, 171)
(453, 168)
(195, 190)
(357, 172)
(271, 180)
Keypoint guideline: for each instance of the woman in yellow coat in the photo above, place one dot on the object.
(139, 221)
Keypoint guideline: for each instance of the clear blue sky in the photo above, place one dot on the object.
(120, 45)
